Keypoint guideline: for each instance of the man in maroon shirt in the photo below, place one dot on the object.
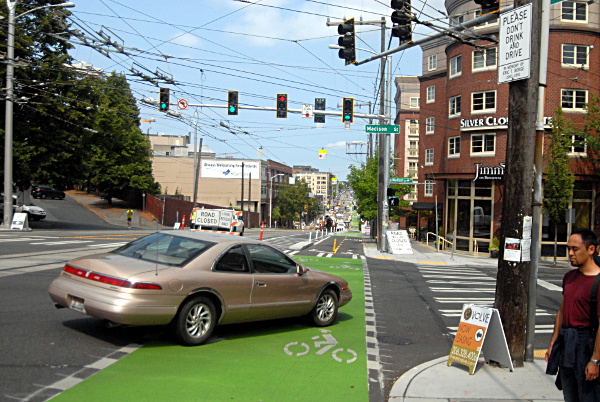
(575, 345)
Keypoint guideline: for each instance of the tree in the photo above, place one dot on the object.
(591, 129)
(558, 186)
(363, 180)
(120, 159)
(291, 200)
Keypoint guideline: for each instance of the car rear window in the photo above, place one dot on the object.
(165, 249)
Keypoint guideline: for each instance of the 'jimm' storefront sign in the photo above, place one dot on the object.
(489, 172)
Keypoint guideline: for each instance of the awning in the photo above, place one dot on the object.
(426, 206)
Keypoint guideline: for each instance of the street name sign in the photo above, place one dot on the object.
(515, 45)
(401, 180)
(382, 129)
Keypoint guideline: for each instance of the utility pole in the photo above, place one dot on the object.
(381, 153)
(512, 285)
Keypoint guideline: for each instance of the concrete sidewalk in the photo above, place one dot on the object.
(115, 213)
(434, 381)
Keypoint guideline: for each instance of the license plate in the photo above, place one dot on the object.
(77, 304)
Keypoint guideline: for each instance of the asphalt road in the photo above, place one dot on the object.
(39, 344)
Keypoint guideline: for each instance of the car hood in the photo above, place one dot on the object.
(32, 208)
(117, 265)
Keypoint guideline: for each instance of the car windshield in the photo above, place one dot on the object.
(165, 249)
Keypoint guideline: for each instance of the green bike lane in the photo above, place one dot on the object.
(280, 360)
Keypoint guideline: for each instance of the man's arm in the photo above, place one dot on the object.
(591, 370)
(557, 324)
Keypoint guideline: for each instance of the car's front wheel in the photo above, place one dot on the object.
(326, 309)
(195, 322)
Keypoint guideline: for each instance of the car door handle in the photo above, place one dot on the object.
(261, 284)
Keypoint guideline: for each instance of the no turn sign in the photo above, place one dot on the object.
(307, 110)
(182, 104)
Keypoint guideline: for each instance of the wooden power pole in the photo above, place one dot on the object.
(512, 286)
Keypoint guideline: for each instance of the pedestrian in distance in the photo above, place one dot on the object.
(129, 217)
(575, 345)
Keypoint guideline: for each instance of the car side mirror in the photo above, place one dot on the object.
(300, 270)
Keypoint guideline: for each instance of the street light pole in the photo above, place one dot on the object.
(197, 158)
(8, 124)
(271, 198)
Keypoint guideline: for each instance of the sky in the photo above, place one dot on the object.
(257, 47)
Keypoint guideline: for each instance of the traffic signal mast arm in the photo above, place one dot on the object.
(456, 29)
(274, 109)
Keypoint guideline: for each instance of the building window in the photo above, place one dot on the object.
(574, 11)
(413, 127)
(413, 149)
(484, 59)
(428, 188)
(429, 125)
(579, 146)
(412, 169)
(483, 102)
(483, 144)
(414, 102)
(431, 94)
(454, 146)
(456, 66)
(432, 62)
(575, 56)
(457, 20)
(454, 106)
(574, 99)
(429, 157)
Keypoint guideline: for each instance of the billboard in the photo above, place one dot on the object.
(229, 169)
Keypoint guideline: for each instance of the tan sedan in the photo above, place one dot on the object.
(194, 281)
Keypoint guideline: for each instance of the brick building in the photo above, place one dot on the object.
(463, 121)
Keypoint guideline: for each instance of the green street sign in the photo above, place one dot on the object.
(382, 129)
(555, 1)
(401, 180)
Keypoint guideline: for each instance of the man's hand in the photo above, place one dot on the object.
(591, 371)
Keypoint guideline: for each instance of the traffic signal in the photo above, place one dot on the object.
(232, 103)
(347, 41)
(348, 110)
(401, 18)
(393, 200)
(282, 106)
(319, 105)
(164, 98)
(488, 6)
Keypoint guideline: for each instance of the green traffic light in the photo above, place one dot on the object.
(231, 109)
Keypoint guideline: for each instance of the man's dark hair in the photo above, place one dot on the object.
(588, 237)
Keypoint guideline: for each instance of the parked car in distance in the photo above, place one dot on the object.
(33, 212)
(341, 226)
(195, 281)
(46, 192)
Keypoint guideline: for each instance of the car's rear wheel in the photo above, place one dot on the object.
(195, 322)
(326, 309)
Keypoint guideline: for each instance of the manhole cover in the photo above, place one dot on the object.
(394, 340)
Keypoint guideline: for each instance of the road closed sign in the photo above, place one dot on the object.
(515, 45)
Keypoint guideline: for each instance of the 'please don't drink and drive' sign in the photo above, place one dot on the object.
(515, 45)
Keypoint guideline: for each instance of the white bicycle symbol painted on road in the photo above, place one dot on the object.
(326, 343)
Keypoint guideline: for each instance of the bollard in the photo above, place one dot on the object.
(182, 222)
(309, 236)
(262, 230)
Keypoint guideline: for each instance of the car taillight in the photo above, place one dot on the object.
(142, 285)
(92, 276)
(346, 287)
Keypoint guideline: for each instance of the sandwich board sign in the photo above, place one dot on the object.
(399, 242)
(20, 221)
(479, 330)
